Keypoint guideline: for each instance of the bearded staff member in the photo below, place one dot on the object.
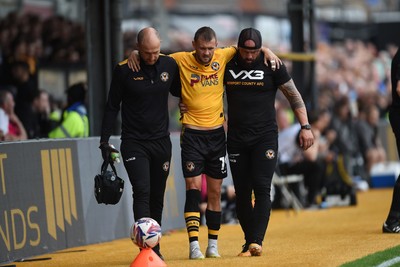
(252, 138)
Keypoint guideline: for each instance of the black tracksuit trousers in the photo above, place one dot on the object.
(147, 164)
(252, 168)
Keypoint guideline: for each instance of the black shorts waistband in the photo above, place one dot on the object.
(203, 132)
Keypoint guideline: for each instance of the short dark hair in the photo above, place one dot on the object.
(20, 64)
(76, 93)
(205, 33)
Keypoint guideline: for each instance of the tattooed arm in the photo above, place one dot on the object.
(297, 104)
(296, 101)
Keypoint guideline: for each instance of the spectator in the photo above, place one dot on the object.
(25, 86)
(370, 145)
(74, 121)
(344, 145)
(3, 123)
(310, 163)
(36, 118)
(16, 130)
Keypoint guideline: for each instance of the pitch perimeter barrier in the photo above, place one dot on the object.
(47, 198)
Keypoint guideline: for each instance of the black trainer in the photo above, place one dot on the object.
(393, 228)
(156, 249)
(245, 251)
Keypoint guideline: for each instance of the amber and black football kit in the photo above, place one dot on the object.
(252, 140)
(203, 151)
(146, 146)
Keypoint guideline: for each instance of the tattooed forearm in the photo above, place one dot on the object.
(292, 94)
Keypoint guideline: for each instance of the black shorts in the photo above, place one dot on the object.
(204, 152)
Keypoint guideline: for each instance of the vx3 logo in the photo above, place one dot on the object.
(251, 74)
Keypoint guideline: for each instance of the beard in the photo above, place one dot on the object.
(248, 64)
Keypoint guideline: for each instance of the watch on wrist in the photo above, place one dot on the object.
(306, 127)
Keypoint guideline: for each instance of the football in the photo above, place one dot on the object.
(146, 233)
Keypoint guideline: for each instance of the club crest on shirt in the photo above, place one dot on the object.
(165, 166)
(270, 154)
(190, 166)
(164, 76)
(215, 66)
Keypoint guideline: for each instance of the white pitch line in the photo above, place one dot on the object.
(389, 262)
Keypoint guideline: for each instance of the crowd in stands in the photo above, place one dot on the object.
(352, 77)
(354, 92)
(26, 42)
